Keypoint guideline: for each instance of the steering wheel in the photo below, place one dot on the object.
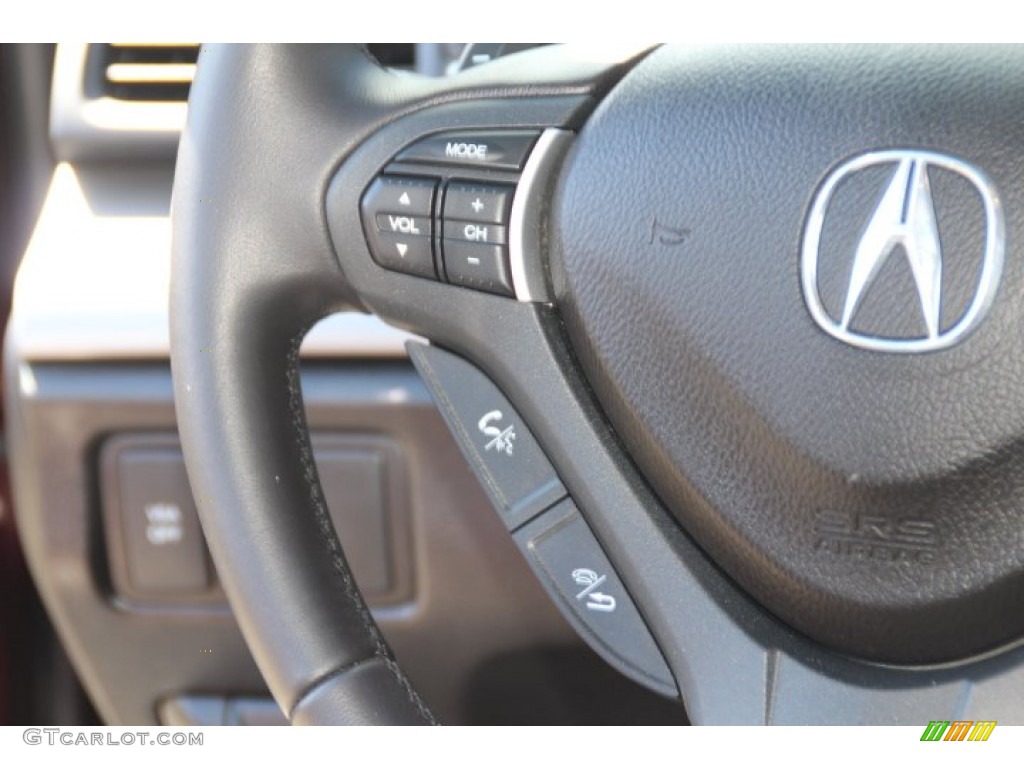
(749, 318)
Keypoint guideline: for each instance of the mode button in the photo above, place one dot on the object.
(506, 150)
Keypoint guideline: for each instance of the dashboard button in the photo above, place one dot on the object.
(504, 455)
(163, 542)
(490, 203)
(478, 265)
(487, 149)
(573, 567)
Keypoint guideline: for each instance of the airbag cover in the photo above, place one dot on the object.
(872, 500)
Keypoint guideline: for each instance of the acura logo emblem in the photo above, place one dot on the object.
(904, 217)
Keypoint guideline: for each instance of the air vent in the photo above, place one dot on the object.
(118, 101)
(141, 71)
(394, 55)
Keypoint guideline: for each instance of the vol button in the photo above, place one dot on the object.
(400, 224)
(410, 196)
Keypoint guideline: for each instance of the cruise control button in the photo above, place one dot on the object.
(504, 455)
(406, 195)
(490, 149)
(575, 570)
(403, 253)
(491, 203)
(478, 265)
(474, 232)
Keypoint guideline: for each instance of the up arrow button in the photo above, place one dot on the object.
(400, 195)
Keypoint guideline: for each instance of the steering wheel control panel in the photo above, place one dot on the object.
(409, 219)
(535, 506)
(455, 207)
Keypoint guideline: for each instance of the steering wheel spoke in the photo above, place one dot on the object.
(711, 447)
(269, 128)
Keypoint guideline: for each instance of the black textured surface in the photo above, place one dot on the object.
(362, 694)
(677, 230)
(733, 661)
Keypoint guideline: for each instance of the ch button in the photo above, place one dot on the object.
(475, 236)
(478, 203)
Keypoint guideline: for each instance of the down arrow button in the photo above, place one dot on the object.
(396, 213)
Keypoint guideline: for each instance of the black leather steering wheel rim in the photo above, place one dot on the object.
(254, 268)
(265, 496)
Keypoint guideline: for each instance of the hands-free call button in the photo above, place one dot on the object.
(573, 567)
(504, 455)
(550, 531)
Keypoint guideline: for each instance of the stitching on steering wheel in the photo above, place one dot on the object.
(334, 548)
